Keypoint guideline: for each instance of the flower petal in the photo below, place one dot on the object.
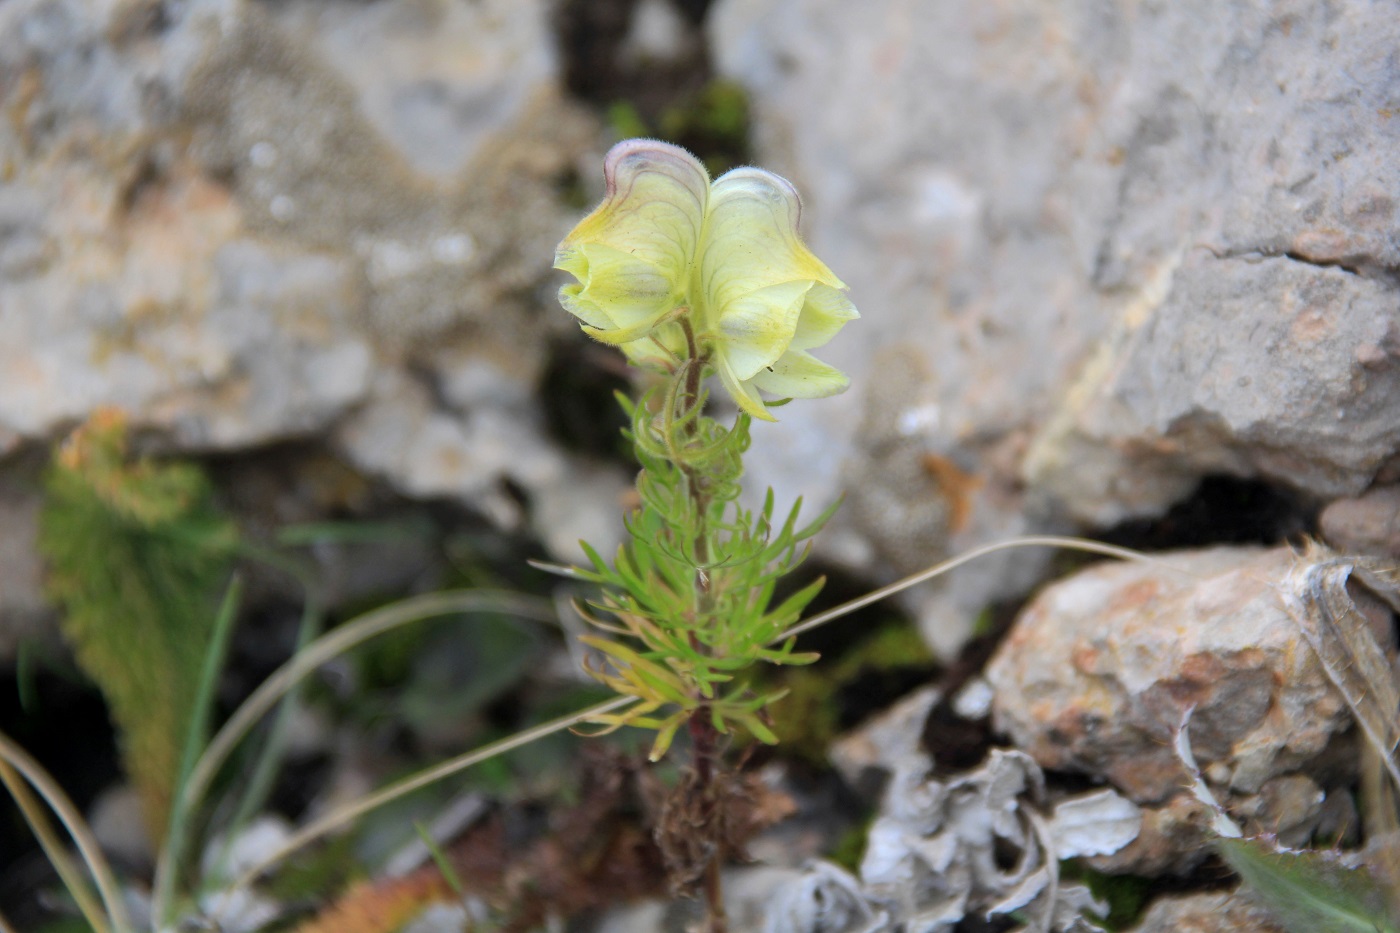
(751, 240)
(757, 327)
(800, 375)
(633, 254)
(618, 297)
(660, 345)
(825, 312)
(744, 395)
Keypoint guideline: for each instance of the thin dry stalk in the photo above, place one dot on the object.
(91, 853)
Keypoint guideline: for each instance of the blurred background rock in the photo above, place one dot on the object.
(1125, 269)
(1103, 251)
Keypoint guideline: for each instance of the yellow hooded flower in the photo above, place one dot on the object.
(666, 241)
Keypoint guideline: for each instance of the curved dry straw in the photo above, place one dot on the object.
(338, 818)
(952, 563)
(107, 889)
(309, 659)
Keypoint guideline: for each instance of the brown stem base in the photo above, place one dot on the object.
(705, 742)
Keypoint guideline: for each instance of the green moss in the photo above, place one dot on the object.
(1126, 895)
(713, 123)
(810, 716)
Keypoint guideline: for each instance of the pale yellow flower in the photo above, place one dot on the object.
(666, 242)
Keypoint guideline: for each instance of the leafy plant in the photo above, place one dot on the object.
(137, 557)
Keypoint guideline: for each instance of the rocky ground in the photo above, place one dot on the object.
(1125, 270)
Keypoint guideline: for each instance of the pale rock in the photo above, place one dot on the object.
(433, 453)
(1171, 840)
(1215, 912)
(244, 223)
(657, 33)
(440, 918)
(119, 826)
(1368, 524)
(1097, 823)
(1099, 670)
(1110, 247)
(447, 76)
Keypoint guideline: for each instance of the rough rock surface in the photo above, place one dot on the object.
(1369, 524)
(1110, 248)
(1100, 669)
(1233, 912)
(245, 223)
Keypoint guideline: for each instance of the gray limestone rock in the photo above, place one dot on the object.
(1224, 912)
(1368, 524)
(1264, 367)
(246, 223)
(1121, 246)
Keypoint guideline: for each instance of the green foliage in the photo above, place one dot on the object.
(810, 715)
(137, 557)
(712, 122)
(1126, 895)
(690, 593)
(849, 849)
(1310, 891)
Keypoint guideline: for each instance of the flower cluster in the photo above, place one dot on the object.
(672, 267)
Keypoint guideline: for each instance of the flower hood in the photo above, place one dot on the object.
(667, 242)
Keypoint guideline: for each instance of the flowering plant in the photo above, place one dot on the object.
(690, 279)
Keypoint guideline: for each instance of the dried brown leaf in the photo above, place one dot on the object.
(1316, 597)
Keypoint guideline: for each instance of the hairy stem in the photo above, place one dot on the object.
(704, 738)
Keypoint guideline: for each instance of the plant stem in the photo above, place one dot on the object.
(704, 742)
(703, 736)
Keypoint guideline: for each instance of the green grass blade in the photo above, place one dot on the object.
(1308, 891)
(444, 867)
(178, 833)
(269, 757)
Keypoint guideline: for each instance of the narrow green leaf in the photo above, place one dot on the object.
(1309, 891)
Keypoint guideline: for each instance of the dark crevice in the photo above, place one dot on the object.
(1323, 263)
(80, 753)
(1352, 265)
(577, 395)
(674, 96)
(1223, 510)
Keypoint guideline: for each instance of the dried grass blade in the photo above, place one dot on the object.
(47, 788)
(1316, 598)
